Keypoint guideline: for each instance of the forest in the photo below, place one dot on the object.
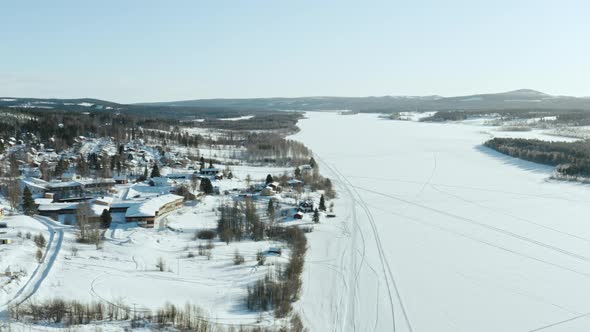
(571, 158)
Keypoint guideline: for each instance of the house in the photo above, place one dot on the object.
(209, 171)
(178, 176)
(5, 241)
(54, 210)
(306, 169)
(121, 179)
(37, 187)
(268, 191)
(306, 206)
(97, 187)
(275, 186)
(65, 190)
(161, 181)
(294, 183)
(76, 190)
(146, 212)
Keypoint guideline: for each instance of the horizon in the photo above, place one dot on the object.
(134, 52)
(298, 97)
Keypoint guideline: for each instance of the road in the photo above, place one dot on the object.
(42, 270)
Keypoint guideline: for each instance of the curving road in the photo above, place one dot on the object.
(43, 269)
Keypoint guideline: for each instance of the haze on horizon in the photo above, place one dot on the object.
(140, 51)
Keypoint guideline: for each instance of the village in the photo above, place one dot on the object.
(134, 215)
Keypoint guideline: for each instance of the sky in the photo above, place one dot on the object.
(139, 51)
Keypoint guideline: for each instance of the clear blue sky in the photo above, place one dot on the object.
(131, 51)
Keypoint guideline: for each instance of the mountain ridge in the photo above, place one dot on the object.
(515, 99)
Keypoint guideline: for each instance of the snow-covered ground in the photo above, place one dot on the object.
(437, 233)
(124, 271)
(245, 117)
(18, 257)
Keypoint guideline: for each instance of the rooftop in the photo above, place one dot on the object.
(150, 207)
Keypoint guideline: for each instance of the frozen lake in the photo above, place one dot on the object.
(436, 233)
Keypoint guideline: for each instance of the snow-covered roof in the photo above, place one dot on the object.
(63, 184)
(34, 184)
(107, 200)
(123, 204)
(57, 206)
(96, 181)
(40, 201)
(97, 209)
(150, 207)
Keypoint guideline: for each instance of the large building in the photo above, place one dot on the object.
(70, 190)
(145, 213)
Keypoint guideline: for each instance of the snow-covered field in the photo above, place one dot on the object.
(124, 271)
(437, 233)
(18, 257)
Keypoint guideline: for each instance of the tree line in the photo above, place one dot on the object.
(571, 158)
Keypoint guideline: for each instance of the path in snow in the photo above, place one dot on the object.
(42, 270)
(436, 233)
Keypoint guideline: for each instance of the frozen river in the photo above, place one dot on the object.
(436, 233)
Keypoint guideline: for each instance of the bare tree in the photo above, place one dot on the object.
(14, 171)
(14, 193)
(83, 214)
(45, 170)
(194, 182)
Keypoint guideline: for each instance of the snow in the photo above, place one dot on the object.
(437, 233)
(85, 104)
(151, 206)
(125, 269)
(245, 117)
(19, 256)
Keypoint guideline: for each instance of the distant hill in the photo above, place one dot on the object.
(518, 99)
(96, 106)
(81, 104)
(524, 99)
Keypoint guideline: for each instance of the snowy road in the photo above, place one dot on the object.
(436, 233)
(42, 270)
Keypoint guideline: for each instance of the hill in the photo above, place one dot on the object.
(518, 99)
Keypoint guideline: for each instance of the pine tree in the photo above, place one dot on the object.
(28, 202)
(316, 216)
(105, 219)
(322, 203)
(155, 171)
(145, 173)
(206, 186)
(211, 163)
(82, 166)
(269, 179)
(312, 162)
(297, 173)
(270, 210)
